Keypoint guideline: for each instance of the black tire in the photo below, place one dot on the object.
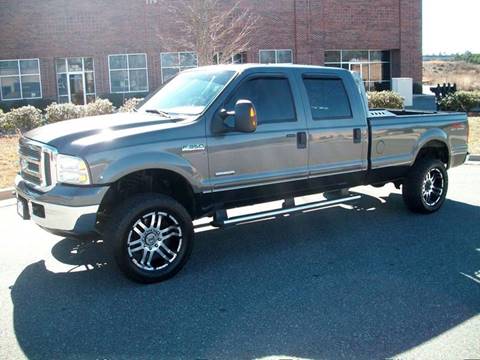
(124, 235)
(422, 195)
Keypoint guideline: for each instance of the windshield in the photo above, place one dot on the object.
(189, 93)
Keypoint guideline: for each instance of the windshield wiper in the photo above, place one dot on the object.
(159, 112)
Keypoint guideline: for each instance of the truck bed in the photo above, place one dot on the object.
(396, 136)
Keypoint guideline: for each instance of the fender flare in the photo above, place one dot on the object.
(132, 163)
(431, 135)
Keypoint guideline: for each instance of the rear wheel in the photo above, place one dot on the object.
(151, 236)
(425, 188)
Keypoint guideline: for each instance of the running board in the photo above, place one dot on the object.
(223, 221)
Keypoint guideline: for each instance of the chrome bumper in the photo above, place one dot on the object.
(58, 218)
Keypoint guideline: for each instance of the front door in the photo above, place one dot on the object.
(276, 152)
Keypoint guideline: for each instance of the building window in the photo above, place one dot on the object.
(174, 62)
(240, 58)
(372, 65)
(75, 80)
(284, 56)
(20, 79)
(128, 73)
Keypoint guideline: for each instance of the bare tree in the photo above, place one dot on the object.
(214, 29)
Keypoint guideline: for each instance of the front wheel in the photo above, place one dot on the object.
(425, 188)
(151, 236)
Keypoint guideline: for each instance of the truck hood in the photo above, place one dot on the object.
(74, 135)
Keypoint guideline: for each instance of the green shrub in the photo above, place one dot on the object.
(119, 99)
(24, 118)
(460, 101)
(40, 104)
(130, 105)
(60, 112)
(99, 107)
(384, 100)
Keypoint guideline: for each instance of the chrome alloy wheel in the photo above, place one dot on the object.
(154, 241)
(433, 187)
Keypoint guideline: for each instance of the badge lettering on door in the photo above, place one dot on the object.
(193, 147)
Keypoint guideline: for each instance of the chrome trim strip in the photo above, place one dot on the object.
(267, 214)
(273, 182)
(339, 172)
(385, 165)
(32, 172)
(30, 159)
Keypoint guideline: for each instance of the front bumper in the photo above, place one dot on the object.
(65, 210)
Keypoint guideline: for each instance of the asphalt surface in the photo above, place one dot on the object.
(368, 281)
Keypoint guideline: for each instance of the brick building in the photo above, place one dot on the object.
(63, 50)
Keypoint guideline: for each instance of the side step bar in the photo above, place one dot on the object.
(222, 221)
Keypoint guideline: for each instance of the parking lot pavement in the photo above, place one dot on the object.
(364, 281)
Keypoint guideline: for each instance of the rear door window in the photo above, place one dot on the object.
(328, 98)
(271, 96)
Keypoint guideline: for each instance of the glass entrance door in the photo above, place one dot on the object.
(75, 80)
(77, 89)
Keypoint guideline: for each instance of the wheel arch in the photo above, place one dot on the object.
(434, 145)
(150, 180)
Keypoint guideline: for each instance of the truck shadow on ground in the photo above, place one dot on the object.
(370, 281)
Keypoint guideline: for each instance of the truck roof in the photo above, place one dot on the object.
(243, 67)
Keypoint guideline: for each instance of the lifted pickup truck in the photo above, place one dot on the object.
(216, 138)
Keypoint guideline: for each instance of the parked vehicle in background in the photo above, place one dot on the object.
(216, 138)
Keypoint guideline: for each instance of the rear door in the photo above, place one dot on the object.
(276, 152)
(338, 132)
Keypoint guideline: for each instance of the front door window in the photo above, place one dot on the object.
(75, 80)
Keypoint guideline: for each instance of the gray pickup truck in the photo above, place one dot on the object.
(216, 138)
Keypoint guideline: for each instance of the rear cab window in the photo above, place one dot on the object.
(328, 98)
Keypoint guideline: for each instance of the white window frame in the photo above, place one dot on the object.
(368, 82)
(128, 73)
(276, 55)
(82, 72)
(178, 67)
(242, 54)
(20, 80)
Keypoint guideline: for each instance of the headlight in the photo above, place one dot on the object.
(72, 170)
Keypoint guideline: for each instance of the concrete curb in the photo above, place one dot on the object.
(6, 193)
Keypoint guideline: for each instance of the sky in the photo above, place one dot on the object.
(451, 26)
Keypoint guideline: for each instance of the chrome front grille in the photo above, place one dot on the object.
(36, 161)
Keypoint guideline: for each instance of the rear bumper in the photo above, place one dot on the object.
(457, 159)
(77, 220)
